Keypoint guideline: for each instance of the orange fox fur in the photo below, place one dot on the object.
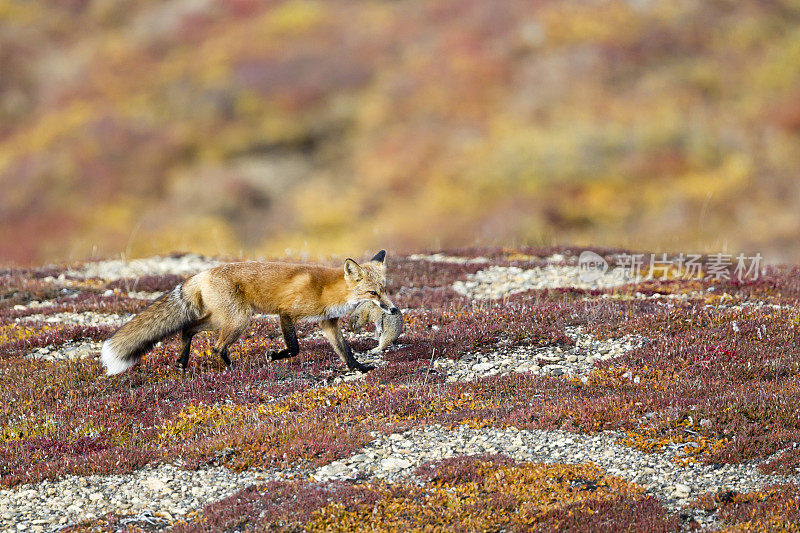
(223, 299)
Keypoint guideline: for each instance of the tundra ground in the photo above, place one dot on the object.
(519, 397)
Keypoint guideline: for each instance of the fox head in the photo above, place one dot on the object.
(368, 282)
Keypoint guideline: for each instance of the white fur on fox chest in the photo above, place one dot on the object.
(334, 311)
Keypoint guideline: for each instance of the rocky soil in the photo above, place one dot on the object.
(155, 496)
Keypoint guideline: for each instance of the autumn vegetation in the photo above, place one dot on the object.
(716, 373)
(249, 127)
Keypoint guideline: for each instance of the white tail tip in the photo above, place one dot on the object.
(113, 363)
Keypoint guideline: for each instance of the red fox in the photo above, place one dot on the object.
(223, 299)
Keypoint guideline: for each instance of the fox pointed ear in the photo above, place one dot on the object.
(379, 257)
(352, 271)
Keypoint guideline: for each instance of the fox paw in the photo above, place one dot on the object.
(277, 356)
(360, 367)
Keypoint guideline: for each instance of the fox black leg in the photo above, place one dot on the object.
(330, 328)
(223, 354)
(183, 359)
(290, 336)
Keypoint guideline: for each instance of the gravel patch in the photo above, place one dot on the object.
(34, 304)
(84, 319)
(497, 282)
(142, 295)
(69, 351)
(156, 495)
(457, 259)
(441, 258)
(557, 361)
(394, 457)
(114, 269)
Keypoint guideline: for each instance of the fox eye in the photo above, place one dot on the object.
(373, 293)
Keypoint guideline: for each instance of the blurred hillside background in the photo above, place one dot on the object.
(247, 127)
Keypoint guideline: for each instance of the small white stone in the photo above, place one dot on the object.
(155, 484)
(395, 463)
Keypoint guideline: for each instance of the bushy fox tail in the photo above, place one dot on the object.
(166, 316)
(360, 316)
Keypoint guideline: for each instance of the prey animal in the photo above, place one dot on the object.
(388, 326)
